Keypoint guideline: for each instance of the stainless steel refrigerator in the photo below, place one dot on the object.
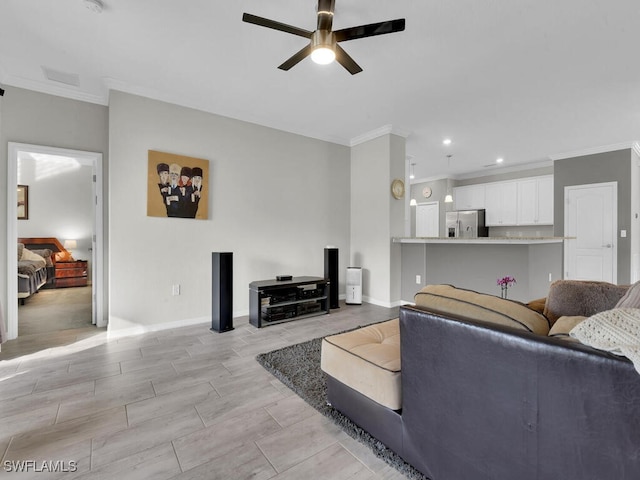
(466, 224)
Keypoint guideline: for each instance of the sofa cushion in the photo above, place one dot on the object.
(631, 299)
(537, 304)
(580, 297)
(563, 326)
(448, 299)
(367, 360)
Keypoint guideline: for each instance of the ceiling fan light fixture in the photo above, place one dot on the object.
(323, 55)
(323, 47)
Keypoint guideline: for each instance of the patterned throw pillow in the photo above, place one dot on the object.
(631, 299)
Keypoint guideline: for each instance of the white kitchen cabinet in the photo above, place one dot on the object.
(535, 201)
(501, 203)
(469, 197)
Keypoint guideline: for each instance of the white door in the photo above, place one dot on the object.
(591, 217)
(428, 219)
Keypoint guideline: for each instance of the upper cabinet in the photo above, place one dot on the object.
(535, 201)
(469, 197)
(500, 203)
(528, 201)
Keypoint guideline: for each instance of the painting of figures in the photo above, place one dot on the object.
(177, 186)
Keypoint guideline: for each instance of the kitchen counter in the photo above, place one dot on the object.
(477, 263)
(482, 240)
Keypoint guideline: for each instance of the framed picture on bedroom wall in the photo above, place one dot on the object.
(23, 202)
(177, 186)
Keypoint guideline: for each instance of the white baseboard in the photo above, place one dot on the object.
(380, 303)
(118, 327)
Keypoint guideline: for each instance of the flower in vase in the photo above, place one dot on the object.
(504, 283)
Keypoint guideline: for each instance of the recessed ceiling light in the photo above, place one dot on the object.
(499, 160)
(446, 141)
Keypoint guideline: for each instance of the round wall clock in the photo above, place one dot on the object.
(426, 192)
(397, 189)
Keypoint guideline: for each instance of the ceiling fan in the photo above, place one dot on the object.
(323, 45)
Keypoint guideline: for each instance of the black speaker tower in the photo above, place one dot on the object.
(222, 292)
(331, 272)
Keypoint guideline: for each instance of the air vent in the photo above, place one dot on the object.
(72, 79)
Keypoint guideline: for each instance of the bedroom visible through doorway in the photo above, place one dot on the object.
(64, 208)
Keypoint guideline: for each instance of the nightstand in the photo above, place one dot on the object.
(71, 274)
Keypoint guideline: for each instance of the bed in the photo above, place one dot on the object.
(36, 264)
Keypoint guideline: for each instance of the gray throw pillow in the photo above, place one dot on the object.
(581, 297)
(631, 299)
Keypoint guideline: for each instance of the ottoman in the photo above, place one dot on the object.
(368, 361)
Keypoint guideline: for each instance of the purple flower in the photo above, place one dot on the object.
(506, 281)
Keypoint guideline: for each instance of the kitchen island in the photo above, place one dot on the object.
(477, 264)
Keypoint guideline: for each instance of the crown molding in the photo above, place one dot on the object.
(378, 132)
(595, 150)
(67, 92)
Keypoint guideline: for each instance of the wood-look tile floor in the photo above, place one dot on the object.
(184, 404)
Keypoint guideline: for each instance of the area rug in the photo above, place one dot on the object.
(298, 367)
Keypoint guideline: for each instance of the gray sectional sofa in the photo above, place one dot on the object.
(494, 400)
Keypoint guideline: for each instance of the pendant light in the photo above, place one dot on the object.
(448, 197)
(412, 174)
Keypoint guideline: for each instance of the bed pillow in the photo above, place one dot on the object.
(631, 299)
(46, 254)
(581, 297)
(482, 307)
(33, 257)
(20, 250)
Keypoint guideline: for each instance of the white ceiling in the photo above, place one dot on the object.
(519, 79)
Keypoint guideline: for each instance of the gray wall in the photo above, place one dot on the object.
(478, 267)
(276, 200)
(376, 216)
(39, 119)
(599, 168)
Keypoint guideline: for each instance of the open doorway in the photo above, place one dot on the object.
(48, 172)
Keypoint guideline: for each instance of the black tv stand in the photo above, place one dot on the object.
(272, 301)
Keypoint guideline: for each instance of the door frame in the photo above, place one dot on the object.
(95, 158)
(570, 188)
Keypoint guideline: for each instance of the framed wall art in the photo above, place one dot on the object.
(177, 186)
(23, 202)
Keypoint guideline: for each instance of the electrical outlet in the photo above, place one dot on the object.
(623, 233)
(418, 279)
(175, 289)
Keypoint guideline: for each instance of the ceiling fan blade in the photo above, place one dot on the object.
(295, 59)
(283, 27)
(325, 14)
(346, 61)
(370, 30)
